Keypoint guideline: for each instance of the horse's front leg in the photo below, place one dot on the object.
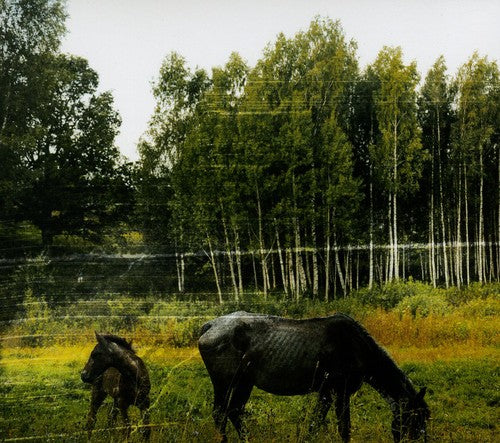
(123, 406)
(145, 428)
(343, 411)
(96, 400)
(113, 414)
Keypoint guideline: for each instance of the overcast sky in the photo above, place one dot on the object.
(125, 41)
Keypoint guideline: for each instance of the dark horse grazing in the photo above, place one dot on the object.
(115, 370)
(332, 356)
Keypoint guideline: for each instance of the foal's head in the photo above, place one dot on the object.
(109, 348)
(412, 423)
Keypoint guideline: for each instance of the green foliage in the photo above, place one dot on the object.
(36, 313)
(422, 305)
(61, 169)
(389, 295)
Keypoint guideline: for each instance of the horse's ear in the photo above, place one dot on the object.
(100, 339)
(422, 392)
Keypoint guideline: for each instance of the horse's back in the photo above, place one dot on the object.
(285, 356)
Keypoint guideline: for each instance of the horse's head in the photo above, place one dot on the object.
(412, 422)
(102, 357)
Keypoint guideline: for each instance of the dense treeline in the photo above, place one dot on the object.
(307, 174)
(304, 174)
(60, 169)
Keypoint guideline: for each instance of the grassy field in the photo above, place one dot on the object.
(453, 352)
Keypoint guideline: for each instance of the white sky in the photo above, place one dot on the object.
(125, 41)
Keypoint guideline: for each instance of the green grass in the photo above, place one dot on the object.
(444, 339)
(43, 397)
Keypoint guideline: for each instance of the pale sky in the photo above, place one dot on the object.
(125, 41)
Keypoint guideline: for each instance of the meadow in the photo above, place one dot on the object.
(446, 340)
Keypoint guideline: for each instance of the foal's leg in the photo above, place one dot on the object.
(145, 429)
(113, 414)
(237, 402)
(96, 400)
(343, 411)
(123, 406)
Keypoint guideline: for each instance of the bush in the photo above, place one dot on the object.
(489, 307)
(389, 295)
(474, 291)
(422, 305)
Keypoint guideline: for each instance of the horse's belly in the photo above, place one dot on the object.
(292, 373)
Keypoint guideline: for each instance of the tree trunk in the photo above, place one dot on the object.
(458, 248)
(394, 201)
(481, 246)
(327, 256)
(265, 278)
(338, 267)
(282, 263)
(230, 260)
(179, 262)
(391, 241)
(371, 258)
(467, 240)
(214, 268)
(238, 260)
(315, 273)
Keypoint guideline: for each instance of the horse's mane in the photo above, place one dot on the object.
(120, 341)
(379, 354)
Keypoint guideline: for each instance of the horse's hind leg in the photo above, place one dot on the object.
(343, 411)
(236, 407)
(96, 400)
(219, 412)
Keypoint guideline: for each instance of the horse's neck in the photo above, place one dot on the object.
(391, 383)
(129, 366)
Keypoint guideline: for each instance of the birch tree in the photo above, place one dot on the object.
(436, 116)
(398, 154)
(475, 135)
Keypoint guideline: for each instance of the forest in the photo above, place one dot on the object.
(304, 174)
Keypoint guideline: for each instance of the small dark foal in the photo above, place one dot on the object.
(114, 369)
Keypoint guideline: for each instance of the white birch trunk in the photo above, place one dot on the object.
(214, 268)
(394, 200)
(238, 259)
(371, 258)
(265, 278)
(481, 255)
(315, 273)
(282, 263)
(230, 261)
(327, 256)
(467, 239)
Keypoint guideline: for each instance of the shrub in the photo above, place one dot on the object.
(390, 294)
(424, 304)
(36, 315)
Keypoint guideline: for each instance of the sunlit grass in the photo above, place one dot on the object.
(454, 351)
